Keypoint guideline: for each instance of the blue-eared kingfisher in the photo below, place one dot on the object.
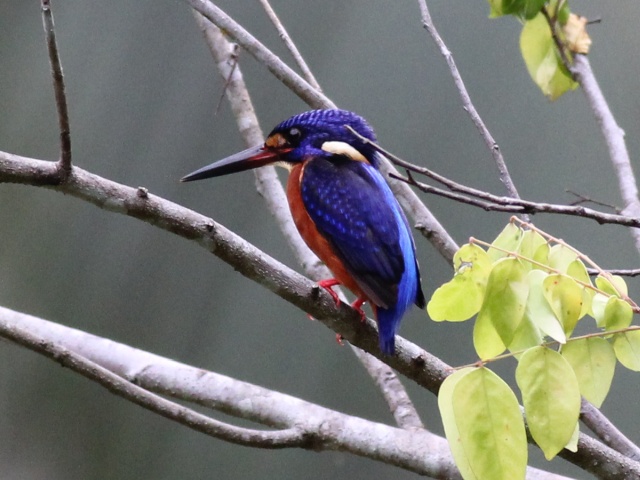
(343, 209)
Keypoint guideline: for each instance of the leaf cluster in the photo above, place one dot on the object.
(528, 291)
(551, 34)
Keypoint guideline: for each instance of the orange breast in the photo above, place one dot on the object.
(312, 236)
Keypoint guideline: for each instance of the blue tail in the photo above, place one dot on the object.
(409, 292)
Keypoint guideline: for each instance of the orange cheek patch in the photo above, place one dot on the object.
(275, 141)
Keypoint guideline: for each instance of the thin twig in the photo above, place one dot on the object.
(585, 199)
(251, 44)
(622, 272)
(284, 36)
(269, 186)
(467, 104)
(489, 201)
(59, 90)
(234, 58)
(511, 205)
(560, 45)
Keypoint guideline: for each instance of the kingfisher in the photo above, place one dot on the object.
(343, 209)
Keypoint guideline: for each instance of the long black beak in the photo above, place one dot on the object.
(253, 157)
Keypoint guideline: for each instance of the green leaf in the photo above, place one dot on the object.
(614, 285)
(532, 8)
(560, 257)
(529, 247)
(627, 348)
(509, 240)
(486, 340)
(593, 361)
(598, 306)
(551, 398)
(542, 59)
(572, 444)
(488, 419)
(539, 310)
(618, 314)
(445, 404)
(577, 270)
(527, 335)
(566, 299)
(512, 7)
(495, 8)
(505, 297)
(461, 297)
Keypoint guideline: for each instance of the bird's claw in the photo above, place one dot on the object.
(357, 306)
(327, 285)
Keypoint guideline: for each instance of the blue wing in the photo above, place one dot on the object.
(357, 213)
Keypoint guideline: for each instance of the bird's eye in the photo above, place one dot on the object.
(294, 135)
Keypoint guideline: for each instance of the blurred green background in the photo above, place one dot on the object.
(142, 91)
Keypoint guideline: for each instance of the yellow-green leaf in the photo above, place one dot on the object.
(578, 271)
(505, 297)
(614, 285)
(445, 404)
(461, 297)
(486, 340)
(627, 348)
(593, 361)
(539, 310)
(598, 306)
(509, 240)
(560, 257)
(542, 59)
(527, 335)
(551, 398)
(617, 314)
(531, 242)
(490, 426)
(565, 298)
(572, 444)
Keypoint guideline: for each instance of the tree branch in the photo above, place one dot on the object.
(58, 89)
(614, 138)
(607, 431)
(467, 104)
(248, 260)
(295, 53)
(324, 429)
(17, 333)
(489, 201)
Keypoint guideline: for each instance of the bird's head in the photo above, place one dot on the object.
(316, 133)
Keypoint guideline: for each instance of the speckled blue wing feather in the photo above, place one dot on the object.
(361, 221)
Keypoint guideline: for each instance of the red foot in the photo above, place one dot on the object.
(327, 284)
(357, 305)
(339, 339)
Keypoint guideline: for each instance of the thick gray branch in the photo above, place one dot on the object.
(303, 424)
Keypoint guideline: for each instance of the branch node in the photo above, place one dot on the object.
(142, 192)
